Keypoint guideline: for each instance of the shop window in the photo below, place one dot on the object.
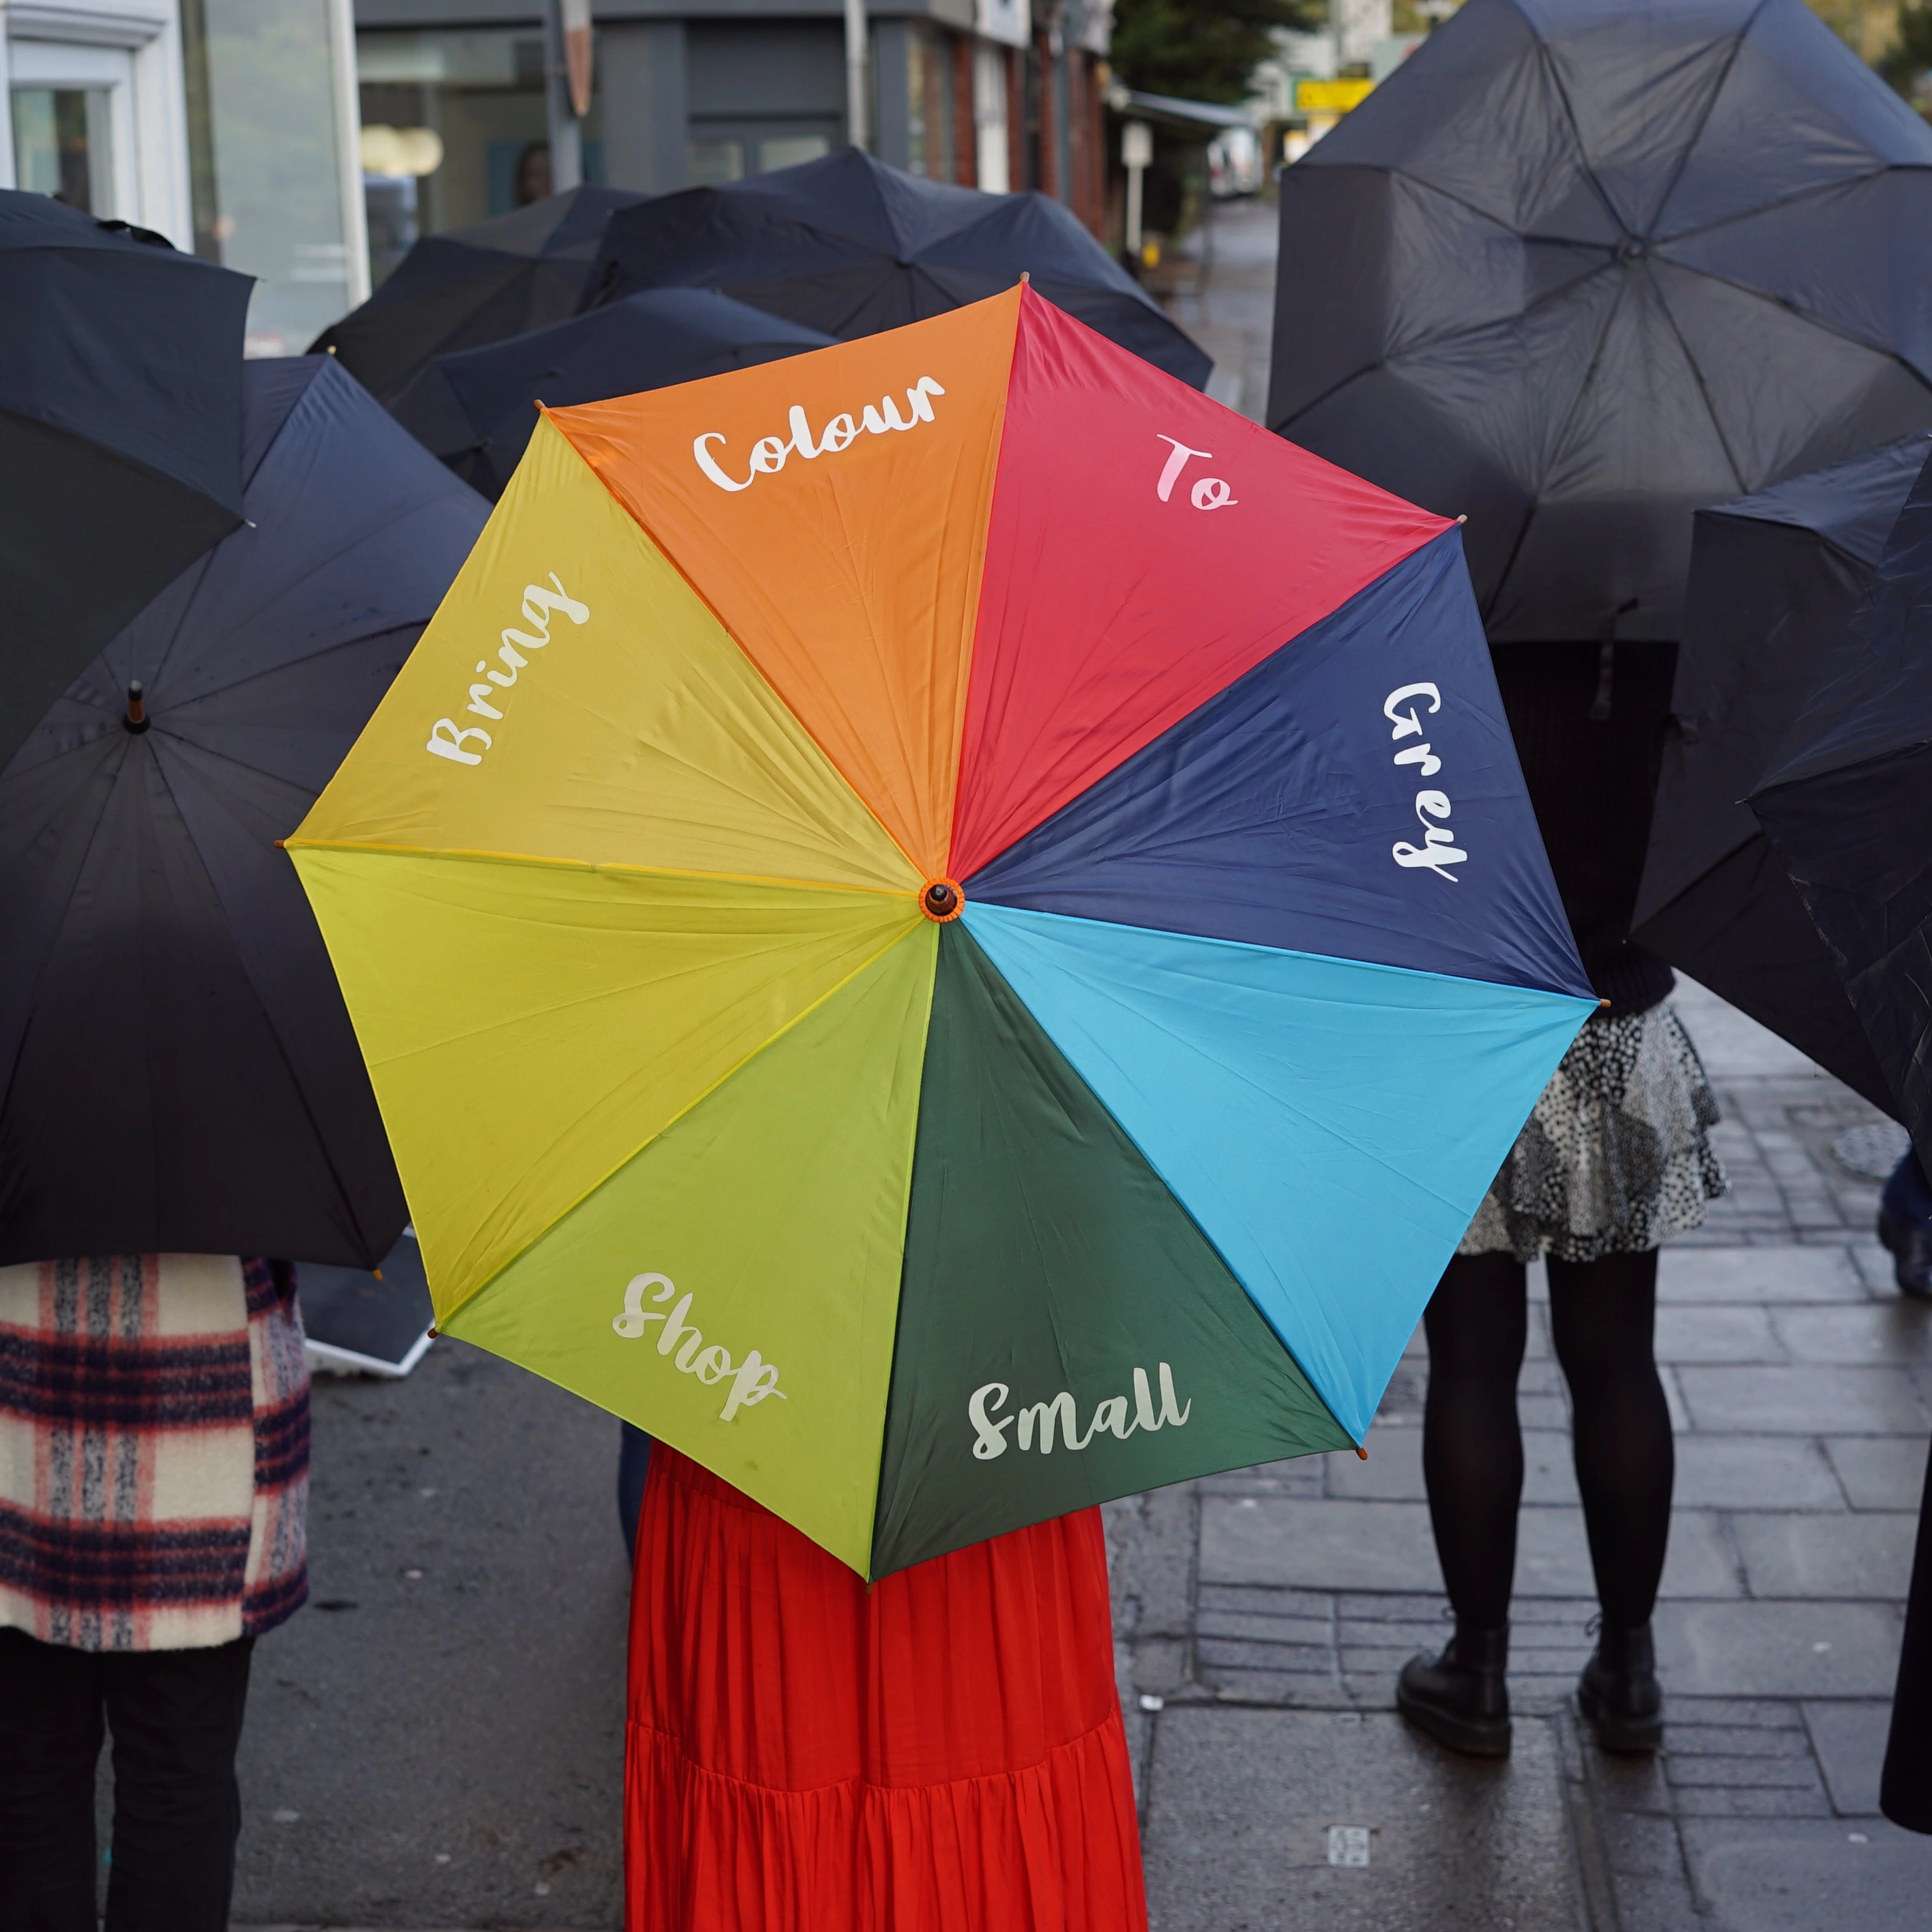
(61, 146)
(265, 163)
(713, 161)
(789, 151)
(454, 130)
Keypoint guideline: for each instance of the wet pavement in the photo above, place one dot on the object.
(1263, 1616)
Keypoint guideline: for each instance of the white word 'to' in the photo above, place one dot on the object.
(1209, 493)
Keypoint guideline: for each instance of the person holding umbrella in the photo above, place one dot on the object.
(154, 1483)
(912, 1002)
(1570, 244)
(182, 1090)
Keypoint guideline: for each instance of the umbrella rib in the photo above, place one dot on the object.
(1481, 213)
(1816, 192)
(200, 568)
(1436, 340)
(1583, 166)
(1703, 390)
(476, 857)
(345, 1194)
(684, 1112)
(1556, 444)
(53, 944)
(377, 526)
(1704, 121)
(1818, 322)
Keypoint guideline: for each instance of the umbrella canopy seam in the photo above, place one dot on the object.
(295, 844)
(564, 1213)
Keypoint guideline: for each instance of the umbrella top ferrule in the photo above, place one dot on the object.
(941, 900)
(137, 719)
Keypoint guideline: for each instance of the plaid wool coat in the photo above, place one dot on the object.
(154, 1450)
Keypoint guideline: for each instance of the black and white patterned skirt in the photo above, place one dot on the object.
(1616, 1157)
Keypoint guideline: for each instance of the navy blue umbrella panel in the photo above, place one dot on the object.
(1847, 805)
(476, 409)
(850, 246)
(1774, 580)
(469, 286)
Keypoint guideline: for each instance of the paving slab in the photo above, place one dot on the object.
(1394, 1471)
(1766, 1274)
(1777, 1649)
(1240, 1804)
(1787, 1554)
(1802, 1875)
(1849, 1740)
(1880, 1471)
(1319, 1546)
(1747, 1472)
(1707, 1332)
(1295, 1543)
(1805, 1401)
(1898, 1330)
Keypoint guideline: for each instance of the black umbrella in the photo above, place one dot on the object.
(1847, 805)
(476, 409)
(850, 246)
(180, 1074)
(470, 285)
(1579, 266)
(1774, 579)
(120, 435)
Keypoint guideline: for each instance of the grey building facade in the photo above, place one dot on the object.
(995, 94)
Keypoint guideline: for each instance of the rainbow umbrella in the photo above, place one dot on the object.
(947, 926)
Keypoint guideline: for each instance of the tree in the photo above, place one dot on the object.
(1908, 61)
(1202, 49)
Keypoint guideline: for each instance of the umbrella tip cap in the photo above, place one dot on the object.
(137, 719)
(941, 900)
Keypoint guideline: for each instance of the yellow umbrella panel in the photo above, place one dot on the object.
(553, 1029)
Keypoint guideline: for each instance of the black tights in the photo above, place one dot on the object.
(1601, 1317)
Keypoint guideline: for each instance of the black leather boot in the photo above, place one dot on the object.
(1618, 1691)
(1462, 1698)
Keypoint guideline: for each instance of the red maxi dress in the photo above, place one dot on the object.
(942, 1753)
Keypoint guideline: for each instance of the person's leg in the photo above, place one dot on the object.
(1602, 1317)
(1905, 1226)
(633, 1463)
(1476, 1322)
(49, 1743)
(176, 1719)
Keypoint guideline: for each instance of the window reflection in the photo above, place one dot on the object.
(479, 95)
(264, 164)
(61, 145)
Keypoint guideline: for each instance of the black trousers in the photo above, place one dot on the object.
(175, 1716)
